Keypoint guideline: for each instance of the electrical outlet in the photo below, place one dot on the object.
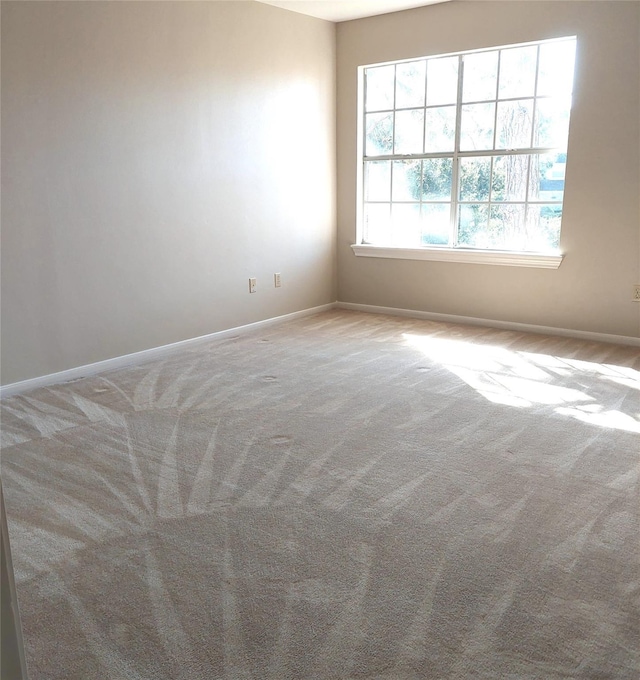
(276, 280)
(636, 293)
(252, 285)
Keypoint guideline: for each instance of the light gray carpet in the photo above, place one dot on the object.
(342, 496)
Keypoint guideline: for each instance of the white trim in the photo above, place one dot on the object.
(148, 354)
(167, 350)
(459, 255)
(491, 323)
(13, 633)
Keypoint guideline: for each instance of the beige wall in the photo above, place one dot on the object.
(155, 155)
(592, 289)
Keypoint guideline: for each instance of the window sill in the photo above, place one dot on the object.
(496, 257)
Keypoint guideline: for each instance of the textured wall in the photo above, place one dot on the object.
(592, 289)
(154, 156)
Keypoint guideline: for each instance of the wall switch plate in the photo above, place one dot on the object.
(276, 280)
(252, 285)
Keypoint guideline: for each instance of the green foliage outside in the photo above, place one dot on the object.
(480, 224)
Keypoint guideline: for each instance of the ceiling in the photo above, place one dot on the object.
(344, 10)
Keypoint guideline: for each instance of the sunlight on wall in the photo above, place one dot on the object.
(587, 391)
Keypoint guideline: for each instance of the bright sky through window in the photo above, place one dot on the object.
(468, 150)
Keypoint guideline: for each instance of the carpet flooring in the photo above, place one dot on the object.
(343, 496)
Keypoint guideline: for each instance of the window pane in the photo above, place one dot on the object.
(379, 88)
(472, 225)
(517, 72)
(543, 225)
(440, 129)
(552, 122)
(547, 177)
(377, 223)
(379, 140)
(436, 179)
(475, 176)
(442, 81)
(515, 120)
(513, 100)
(436, 224)
(406, 180)
(377, 181)
(480, 76)
(410, 80)
(509, 178)
(555, 75)
(407, 228)
(476, 128)
(409, 131)
(507, 228)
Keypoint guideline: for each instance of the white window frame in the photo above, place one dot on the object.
(550, 260)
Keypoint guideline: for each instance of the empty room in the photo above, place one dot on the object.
(320, 339)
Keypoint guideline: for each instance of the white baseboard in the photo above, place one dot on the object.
(166, 350)
(147, 354)
(489, 323)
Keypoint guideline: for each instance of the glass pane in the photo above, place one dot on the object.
(476, 128)
(406, 180)
(406, 225)
(547, 177)
(552, 122)
(440, 129)
(379, 140)
(543, 227)
(472, 225)
(436, 179)
(379, 88)
(436, 224)
(377, 181)
(515, 120)
(377, 223)
(480, 76)
(475, 176)
(409, 131)
(410, 80)
(555, 73)
(507, 228)
(509, 178)
(442, 81)
(517, 72)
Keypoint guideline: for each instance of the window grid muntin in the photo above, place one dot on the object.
(457, 154)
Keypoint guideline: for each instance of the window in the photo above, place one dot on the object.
(467, 151)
